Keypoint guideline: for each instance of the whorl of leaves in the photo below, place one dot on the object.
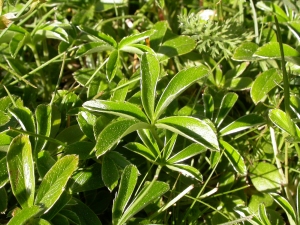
(217, 38)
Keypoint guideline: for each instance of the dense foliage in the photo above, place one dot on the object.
(158, 111)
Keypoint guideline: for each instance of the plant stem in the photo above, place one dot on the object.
(255, 22)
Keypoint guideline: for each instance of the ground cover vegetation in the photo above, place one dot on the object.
(158, 111)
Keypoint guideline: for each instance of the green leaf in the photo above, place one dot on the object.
(110, 173)
(135, 38)
(265, 177)
(295, 104)
(24, 215)
(141, 150)
(121, 91)
(4, 118)
(263, 214)
(298, 201)
(3, 200)
(192, 128)
(148, 194)
(238, 83)
(123, 109)
(264, 83)
(188, 152)
(112, 65)
(60, 219)
(176, 46)
(99, 35)
(127, 185)
(286, 206)
(234, 157)
(43, 115)
(157, 38)
(21, 170)
(170, 140)
(93, 47)
(208, 106)
(118, 159)
(227, 103)
(84, 213)
(138, 49)
(89, 178)
(39, 221)
(150, 70)
(113, 133)
(86, 121)
(74, 219)
(186, 170)
(44, 162)
(280, 120)
(245, 52)
(54, 182)
(83, 149)
(271, 7)
(51, 30)
(3, 172)
(18, 41)
(148, 139)
(178, 84)
(25, 118)
(242, 123)
(271, 50)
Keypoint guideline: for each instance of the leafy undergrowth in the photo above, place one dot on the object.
(149, 112)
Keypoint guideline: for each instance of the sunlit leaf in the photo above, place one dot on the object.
(227, 103)
(188, 152)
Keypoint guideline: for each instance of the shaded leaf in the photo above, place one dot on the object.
(157, 38)
(238, 83)
(227, 103)
(208, 106)
(186, 170)
(112, 65)
(44, 162)
(110, 173)
(3, 200)
(141, 150)
(3, 172)
(242, 123)
(188, 152)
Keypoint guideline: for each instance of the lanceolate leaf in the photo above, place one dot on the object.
(113, 133)
(54, 182)
(148, 194)
(188, 152)
(43, 115)
(279, 118)
(157, 38)
(21, 170)
(147, 137)
(208, 106)
(286, 206)
(112, 65)
(141, 150)
(227, 103)
(179, 83)
(127, 185)
(93, 47)
(242, 123)
(123, 109)
(24, 215)
(264, 83)
(263, 214)
(192, 128)
(110, 173)
(186, 170)
(135, 38)
(149, 76)
(234, 157)
(272, 51)
(25, 118)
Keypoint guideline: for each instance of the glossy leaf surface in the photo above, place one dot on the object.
(24, 215)
(188, 152)
(135, 38)
(192, 128)
(112, 65)
(179, 83)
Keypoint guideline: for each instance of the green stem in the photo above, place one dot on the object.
(255, 22)
(39, 136)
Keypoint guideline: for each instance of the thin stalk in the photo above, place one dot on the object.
(39, 136)
(255, 22)
(42, 20)
(202, 189)
(286, 86)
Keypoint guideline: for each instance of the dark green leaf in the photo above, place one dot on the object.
(188, 152)
(3, 172)
(86, 121)
(178, 84)
(3, 200)
(83, 149)
(25, 118)
(150, 70)
(242, 123)
(21, 170)
(71, 216)
(121, 92)
(127, 185)
(110, 173)
(238, 83)
(227, 103)
(234, 157)
(192, 128)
